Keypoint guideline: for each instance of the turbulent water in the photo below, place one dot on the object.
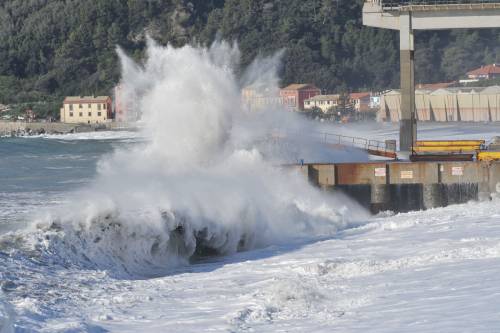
(36, 176)
(38, 172)
(193, 224)
(79, 215)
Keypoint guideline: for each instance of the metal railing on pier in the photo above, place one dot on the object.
(372, 147)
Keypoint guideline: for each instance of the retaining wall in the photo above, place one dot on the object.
(406, 186)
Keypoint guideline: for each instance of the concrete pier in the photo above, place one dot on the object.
(380, 198)
(483, 191)
(406, 186)
(433, 196)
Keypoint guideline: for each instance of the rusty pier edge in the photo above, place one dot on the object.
(406, 186)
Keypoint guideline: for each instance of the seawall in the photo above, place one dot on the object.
(407, 186)
(22, 128)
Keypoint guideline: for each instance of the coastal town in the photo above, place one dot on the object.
(475, 98)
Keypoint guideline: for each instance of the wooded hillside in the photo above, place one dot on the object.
(52, 48)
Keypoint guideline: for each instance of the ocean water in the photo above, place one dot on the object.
(53, 266)
(434, 269)
(36, 173)
(85, 218)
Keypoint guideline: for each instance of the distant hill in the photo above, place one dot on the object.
(52, 48)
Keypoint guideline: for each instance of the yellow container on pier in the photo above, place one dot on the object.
(449, 143)
(446, 149)
(488, 156)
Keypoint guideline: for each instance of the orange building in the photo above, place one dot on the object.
(361, 101)
(294, 95)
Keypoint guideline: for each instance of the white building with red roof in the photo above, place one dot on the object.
(485, 72)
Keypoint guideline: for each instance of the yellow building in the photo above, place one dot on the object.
(260, 97)
(86, 109)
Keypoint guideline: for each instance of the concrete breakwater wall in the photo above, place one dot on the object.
(408, 186)
(22, 128)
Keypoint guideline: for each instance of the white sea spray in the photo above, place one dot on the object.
(205, 180)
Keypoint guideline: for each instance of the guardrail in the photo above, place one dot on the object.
(373, 147)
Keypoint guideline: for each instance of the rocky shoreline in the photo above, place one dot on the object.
(13, 129)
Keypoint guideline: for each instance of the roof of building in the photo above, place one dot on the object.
(86, 99)
(435, 86)
(466, 90)
(440, 91)
(486, 70)
(324, 98)
(359, 95)
(300, 86)
(492, 90)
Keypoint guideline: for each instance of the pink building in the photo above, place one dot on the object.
(120, 104)
(126, 104)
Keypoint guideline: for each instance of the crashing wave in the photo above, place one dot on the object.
(111, 242)
(198, 185)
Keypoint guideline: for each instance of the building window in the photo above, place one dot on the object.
(71, 107)
(98, 106)
(90, 106)
(104, 106)
(81, 106)
(71, 114)
(81, 114)
(98, 114)
(90, 114)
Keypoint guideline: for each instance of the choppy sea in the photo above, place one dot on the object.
(37, 174)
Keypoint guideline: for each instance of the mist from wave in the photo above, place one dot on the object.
(203, 182)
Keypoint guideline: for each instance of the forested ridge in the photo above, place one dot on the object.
(53, 48)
